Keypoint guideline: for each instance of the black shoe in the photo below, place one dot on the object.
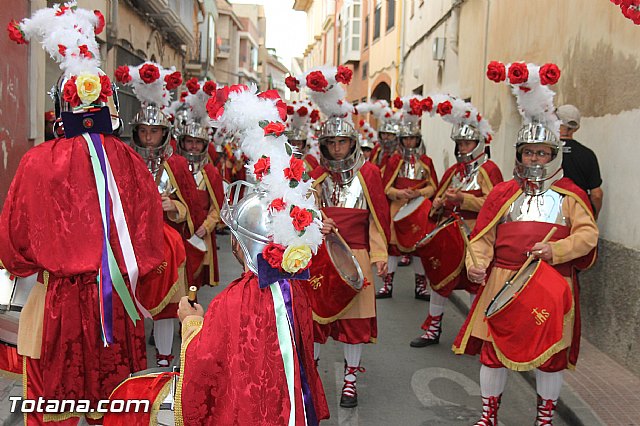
(421, 342)
(380, 294)
(421, 296)
(348, 401)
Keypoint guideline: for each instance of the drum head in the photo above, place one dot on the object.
(510, 289)
(408, 208)
(7, 285)
(430, 235)
(344, 261)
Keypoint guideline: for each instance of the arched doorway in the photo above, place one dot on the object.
(382, 91)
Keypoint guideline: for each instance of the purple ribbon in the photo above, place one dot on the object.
(268, 275)
(312, 419)
(106, 283)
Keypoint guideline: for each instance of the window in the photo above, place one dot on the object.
(365, 70)
(366, 31)
(391, 14)
(350, 20)
(376, 20)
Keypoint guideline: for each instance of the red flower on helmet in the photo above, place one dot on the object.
(106, 91)
(496, 71)
(149, 73)
(549, 74)
(290, 110)
(518, 73)
(173, 80)
(427, 104)
(317, 82)
(295, 170)
(397, 102)
(361, 123)
(15, 33)
(261, 167)
(122, 74)
(314, 116)
(274, 128)
(292, 83)
(344, 74)
(193, 86)
(62, 49)
(84, 51)
(70, 92)
(209, 87)
(301, 218)
(415, 106)
(101, 23)
(273, 254)
(302, 111)
(277, 205)
(444, 108)
(215, 104)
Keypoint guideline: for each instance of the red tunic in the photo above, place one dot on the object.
(51, 222)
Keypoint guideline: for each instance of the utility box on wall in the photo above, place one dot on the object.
(438, 48)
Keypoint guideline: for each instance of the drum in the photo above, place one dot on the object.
(442, 252)
(14, 292)
(411, 223)
(531, 317)
(158, 386)
(335, 279)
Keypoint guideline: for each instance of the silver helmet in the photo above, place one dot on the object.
(536, 179)
(299, 135)
(151, 115)
(198, 131)
(411, 129)
(248, 219)
(180, 119)
(392, 127)
(346, 168)
(467, 132)
(366, 143)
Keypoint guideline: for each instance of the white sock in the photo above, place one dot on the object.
(316, 351)
(163, 335)
(436, 304)
(417, 265)
(548, 385)
(352, 354)
(492, 381)
(392, 264)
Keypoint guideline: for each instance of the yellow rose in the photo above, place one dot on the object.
(89, 87)
(296, 258)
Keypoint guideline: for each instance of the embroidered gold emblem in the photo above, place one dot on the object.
(160, 269)
(316, 281)
(415, 228)
(435, 263)
(540, 315)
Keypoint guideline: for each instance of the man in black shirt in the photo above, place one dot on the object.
(579, 162)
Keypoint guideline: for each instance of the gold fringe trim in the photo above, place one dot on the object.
(155, 408)
(448, 279)
(183, 352)
(163, 304)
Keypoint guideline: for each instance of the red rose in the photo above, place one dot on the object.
(122, 74)
(427, 104)
(274, 128)
(193, 86)
(317, 82)
(261, 167)
(496, 71)
(277, 205)
(62, 49)
(478, 117)
(387, 115)
(397, 102)
(370, 135)
(215, 104)
(183, 95)
(84, 51)
(101, 23)
(301, 218)
(303, 111)
(314, 116)
(149, 73)
(416, 106)
(344, 75)
(269, 94)
(173, 80)
(15, 33)
(467, 114)
(361, 123)
(238, 88)
(70, 92)
(295, 170)
(282, 109)
(106, 91)
(273, 254)
(209, 87)
(549, 74)
(518, 73)
(290, 110)
(444, 108)
(292, 83)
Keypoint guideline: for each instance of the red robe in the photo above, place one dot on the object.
(232, 371)
(51, 222)
(394, 163)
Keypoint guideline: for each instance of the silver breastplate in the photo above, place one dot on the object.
(163, 181)
(546, 207)
(413, 170)
(199, 178)
(349, 195)
(466, 183)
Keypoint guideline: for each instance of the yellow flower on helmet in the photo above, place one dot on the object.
(296, 258)
(89, 87)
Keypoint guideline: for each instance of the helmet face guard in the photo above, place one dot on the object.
(196, 160)
(151, 115)
(537, 178)
(465, 132)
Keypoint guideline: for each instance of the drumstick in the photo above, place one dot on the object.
(193, 290)
(530, 258)
(466, 243)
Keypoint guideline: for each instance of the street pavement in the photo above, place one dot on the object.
(401, 385)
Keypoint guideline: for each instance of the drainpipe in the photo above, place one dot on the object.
(112, 33)
(400, 49)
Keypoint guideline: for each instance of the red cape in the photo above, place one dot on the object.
(187, 193)
(395, 162)
(369, 176)
(489, 170)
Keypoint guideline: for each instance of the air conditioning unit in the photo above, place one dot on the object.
(439, 44)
